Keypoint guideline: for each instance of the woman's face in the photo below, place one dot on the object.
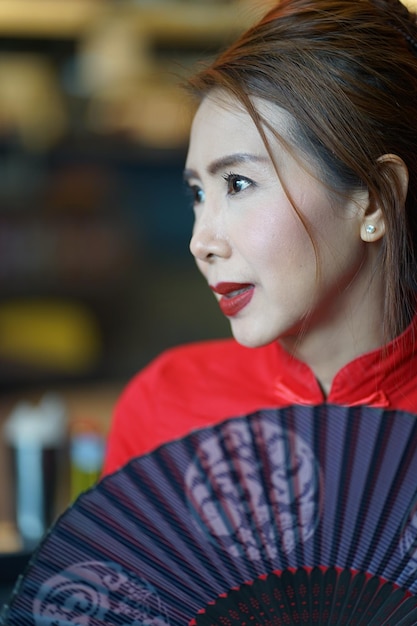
(249, 242)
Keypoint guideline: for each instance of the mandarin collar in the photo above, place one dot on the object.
(369, 379)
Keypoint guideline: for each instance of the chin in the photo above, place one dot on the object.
(252, 339)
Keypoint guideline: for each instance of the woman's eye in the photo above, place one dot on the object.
(236, 183)
(197, 194)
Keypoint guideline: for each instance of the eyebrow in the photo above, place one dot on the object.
(225, 162)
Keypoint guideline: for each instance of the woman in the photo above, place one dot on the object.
(303, 169)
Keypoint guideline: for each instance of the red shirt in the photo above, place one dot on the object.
(197, 385)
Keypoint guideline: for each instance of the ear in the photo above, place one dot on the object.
(373, 226)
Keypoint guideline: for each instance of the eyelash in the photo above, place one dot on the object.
(232, 178)
(198, 196)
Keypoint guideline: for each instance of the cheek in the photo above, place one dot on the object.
(278, 237)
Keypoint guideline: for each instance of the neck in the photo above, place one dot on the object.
(328, 346)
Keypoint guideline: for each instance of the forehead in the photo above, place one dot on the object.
(222, 123)
(219, 103)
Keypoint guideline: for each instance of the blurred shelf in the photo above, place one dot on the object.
(47, 18)
(186, 22)
(179, 21)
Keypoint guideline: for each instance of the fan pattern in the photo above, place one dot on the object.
(173, 530)
(94, 592)
(256, 490)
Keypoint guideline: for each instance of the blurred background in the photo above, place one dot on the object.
(95, 273)
(94, 228)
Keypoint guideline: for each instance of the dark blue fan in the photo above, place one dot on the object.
(317, 596)
(282, 489)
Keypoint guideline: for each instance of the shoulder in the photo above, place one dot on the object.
(206, 357)
(206, 365)
(188, 387)
(202, 354)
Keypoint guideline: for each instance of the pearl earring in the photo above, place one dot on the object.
(370, 229)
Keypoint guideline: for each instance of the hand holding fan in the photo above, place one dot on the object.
(300, 490)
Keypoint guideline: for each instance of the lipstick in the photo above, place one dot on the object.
(235, 296)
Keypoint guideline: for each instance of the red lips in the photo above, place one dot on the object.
(235, 296)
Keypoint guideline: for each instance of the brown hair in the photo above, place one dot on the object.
(346, 71)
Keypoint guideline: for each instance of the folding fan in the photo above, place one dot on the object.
(298, 492)
(312, 596)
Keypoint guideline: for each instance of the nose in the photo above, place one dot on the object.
(208, 242)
